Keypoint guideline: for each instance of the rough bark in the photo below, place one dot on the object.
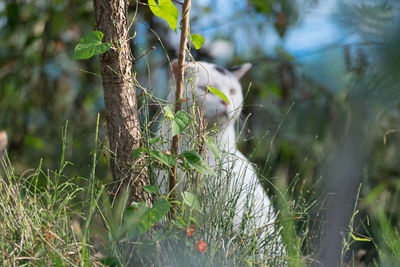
(120, 97)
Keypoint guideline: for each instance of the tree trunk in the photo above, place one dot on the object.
(120, 98)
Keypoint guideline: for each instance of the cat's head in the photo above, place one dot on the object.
(215, 109)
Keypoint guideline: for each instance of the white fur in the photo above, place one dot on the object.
(236, 175)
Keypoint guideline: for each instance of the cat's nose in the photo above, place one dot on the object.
(224, 103)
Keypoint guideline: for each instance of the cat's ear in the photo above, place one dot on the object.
(241, 70)
(174, 67)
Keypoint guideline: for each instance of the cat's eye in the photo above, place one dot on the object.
(207, 90)
(232, 91)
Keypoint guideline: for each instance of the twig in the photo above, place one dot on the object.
(28, 258)
(389, 132)
(176, 1)
(145, 53)
(178, 93)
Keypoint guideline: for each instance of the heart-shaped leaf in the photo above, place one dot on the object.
(90, 45)
(160, 208)
(181, 122)
(197, 40)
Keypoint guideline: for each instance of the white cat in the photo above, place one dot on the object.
(236, 186)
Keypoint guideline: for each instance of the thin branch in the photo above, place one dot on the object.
(176, 1)
(145, 53)
(179, 91)
(387, 133)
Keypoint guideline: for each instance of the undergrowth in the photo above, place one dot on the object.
(48, 218)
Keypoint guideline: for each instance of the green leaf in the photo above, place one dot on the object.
(136, 211)
(133, 217)
(217, 92)
(197, 40)
(179, 222)
(169, 112)
(160, 208)
(111, 261)
(137, 152)
(195, 161)
(102, 48)
(150, 188)
(165, 10)
(154, 140)
(57, 261)
(191, 200)
(147, 218)
(211, 144)
(181, 122)
(90, 45)
(168, 160)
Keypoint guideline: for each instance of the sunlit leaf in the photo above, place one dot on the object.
(169, 112)
(217, 92)
(197, 40)
(165, 10)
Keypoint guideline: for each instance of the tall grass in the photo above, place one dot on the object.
(35, 210)
(48, 218)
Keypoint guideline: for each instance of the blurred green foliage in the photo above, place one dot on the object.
(304, 115)
(41, 87)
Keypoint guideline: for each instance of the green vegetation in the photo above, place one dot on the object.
(320, 138)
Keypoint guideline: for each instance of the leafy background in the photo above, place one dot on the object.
(321, 102)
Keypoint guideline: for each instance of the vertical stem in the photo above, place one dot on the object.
(179, 89)
(85, 249)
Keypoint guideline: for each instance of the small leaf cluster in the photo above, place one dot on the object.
(190, 159)
(91, 45)
(168, 11)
